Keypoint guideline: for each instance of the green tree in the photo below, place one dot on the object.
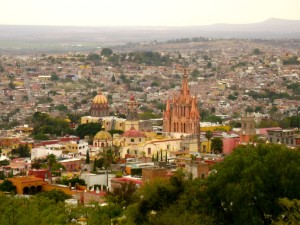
(73, 181)
(93, 57)
(217, 145)
(249, 183)
(195, 73)
(123, 195)
(54, 77)
(113, 79)
(21, 151)
(106, 52)
(87, 159)
(291, 212)
(56, 195)
(89, 129)
(256, 51)
(7, 186)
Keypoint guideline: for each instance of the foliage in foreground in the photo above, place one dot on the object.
(254, 185)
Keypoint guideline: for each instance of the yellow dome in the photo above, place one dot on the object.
(102, 135)
(100, 99)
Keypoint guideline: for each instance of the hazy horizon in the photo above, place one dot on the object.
(144, 13)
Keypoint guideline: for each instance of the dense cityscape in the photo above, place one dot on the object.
(204, 129)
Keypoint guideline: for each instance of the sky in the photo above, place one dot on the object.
(144, 12)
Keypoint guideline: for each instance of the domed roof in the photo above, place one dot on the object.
(100, 99)
(102, 135)
(132, 132)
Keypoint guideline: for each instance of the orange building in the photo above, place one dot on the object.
(182, 113)
(28, 185)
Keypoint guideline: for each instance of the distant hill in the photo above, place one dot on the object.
(14, 38)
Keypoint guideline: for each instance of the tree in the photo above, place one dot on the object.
(21, 151)
(123, 194)
(54, 77)
(106, 52)
(113, 79)
(7, 186)
(291, 212)
(195, 73)
(56, 195)
(89, 129)
(93, 57)
(73, 181)
(250, 182)
(208, 135)
(217, 145)
(25, 98)
(87, 159)
(256, 51)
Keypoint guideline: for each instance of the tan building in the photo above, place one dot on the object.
(197, 169)
(102, 139)
(149, 174)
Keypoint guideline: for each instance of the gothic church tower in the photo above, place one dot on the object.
(182, 113)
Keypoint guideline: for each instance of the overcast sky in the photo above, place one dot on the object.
(144, 12)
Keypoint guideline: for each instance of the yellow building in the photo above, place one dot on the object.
(205, 146)
(89, 119)
(204, 127)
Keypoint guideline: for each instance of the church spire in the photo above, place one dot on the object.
(168, 108)
(185, 84)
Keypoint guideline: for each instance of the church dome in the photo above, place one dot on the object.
(102, 135)
(100, 99)
(132, 133)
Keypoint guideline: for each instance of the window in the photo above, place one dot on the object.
(132, 140)
(149, 151)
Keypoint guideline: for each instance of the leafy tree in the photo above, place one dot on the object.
(256, 51)
(106, 52)
(123, 195)
(217, 145)
(73, 181)
(89, 129)
(61, 107)
(21, 151)
(54, 77)
(195, 73)
(56, 195)
(291, 212)
(45, 124)
(37, 163)
(113, 79)
(25, 98)
(93, 57)
(232, 97)
(250, 182)
(7, 186)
